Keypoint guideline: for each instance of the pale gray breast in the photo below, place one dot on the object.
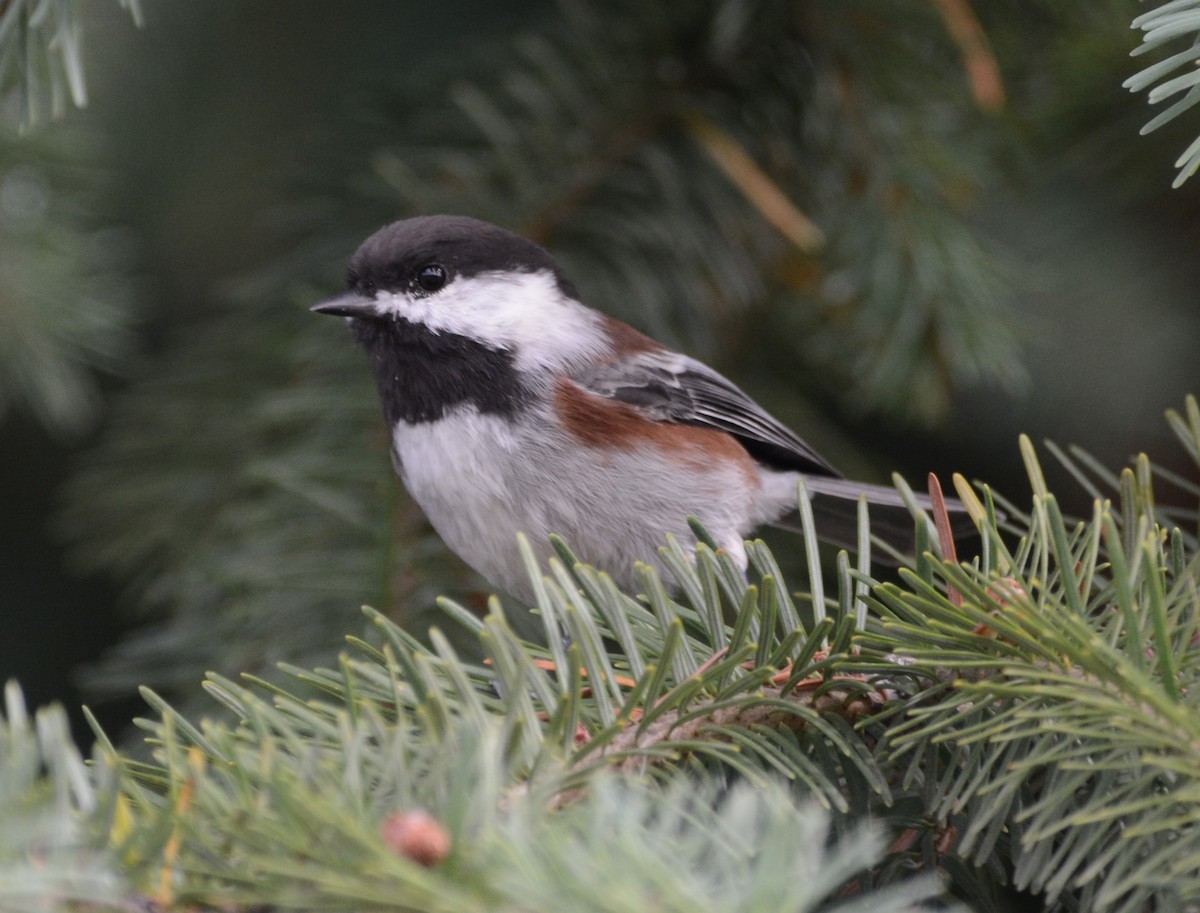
(480, 480)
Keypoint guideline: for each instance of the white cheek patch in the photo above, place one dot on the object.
(523, 312)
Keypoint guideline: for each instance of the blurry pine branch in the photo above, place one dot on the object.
(66, 287)
(700, 160)
(1027, 716)
(54, 850)
(1170, 25)
(372, 810)
(41, 56)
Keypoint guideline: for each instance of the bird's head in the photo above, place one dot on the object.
(453, 276)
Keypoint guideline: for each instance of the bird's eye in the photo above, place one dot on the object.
(431, 277)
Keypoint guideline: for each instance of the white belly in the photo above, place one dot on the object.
(480, 483)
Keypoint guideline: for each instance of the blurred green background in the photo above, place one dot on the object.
(194, 473)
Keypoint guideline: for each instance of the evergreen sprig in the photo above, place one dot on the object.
(54, 850)
(40, 41)
(1171, 23)
(293, 808)
(1063, 678)
(66, 300)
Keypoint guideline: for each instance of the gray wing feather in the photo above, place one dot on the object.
(669, 387)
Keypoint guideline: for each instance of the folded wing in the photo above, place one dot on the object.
(669, 387)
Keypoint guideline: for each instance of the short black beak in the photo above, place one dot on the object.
(347, 304)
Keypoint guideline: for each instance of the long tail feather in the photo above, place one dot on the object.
(835, 511)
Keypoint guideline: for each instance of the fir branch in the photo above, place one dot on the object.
(491, 752)
(43, 40)
(66, 301)
(1166, 24)
(53, 816)
(303, 823)
(1063, 688)
(772, 708)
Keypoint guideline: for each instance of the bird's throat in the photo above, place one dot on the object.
(422, 374)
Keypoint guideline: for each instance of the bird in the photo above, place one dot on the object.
(514, 408)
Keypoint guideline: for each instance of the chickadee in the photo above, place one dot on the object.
(515, 408)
